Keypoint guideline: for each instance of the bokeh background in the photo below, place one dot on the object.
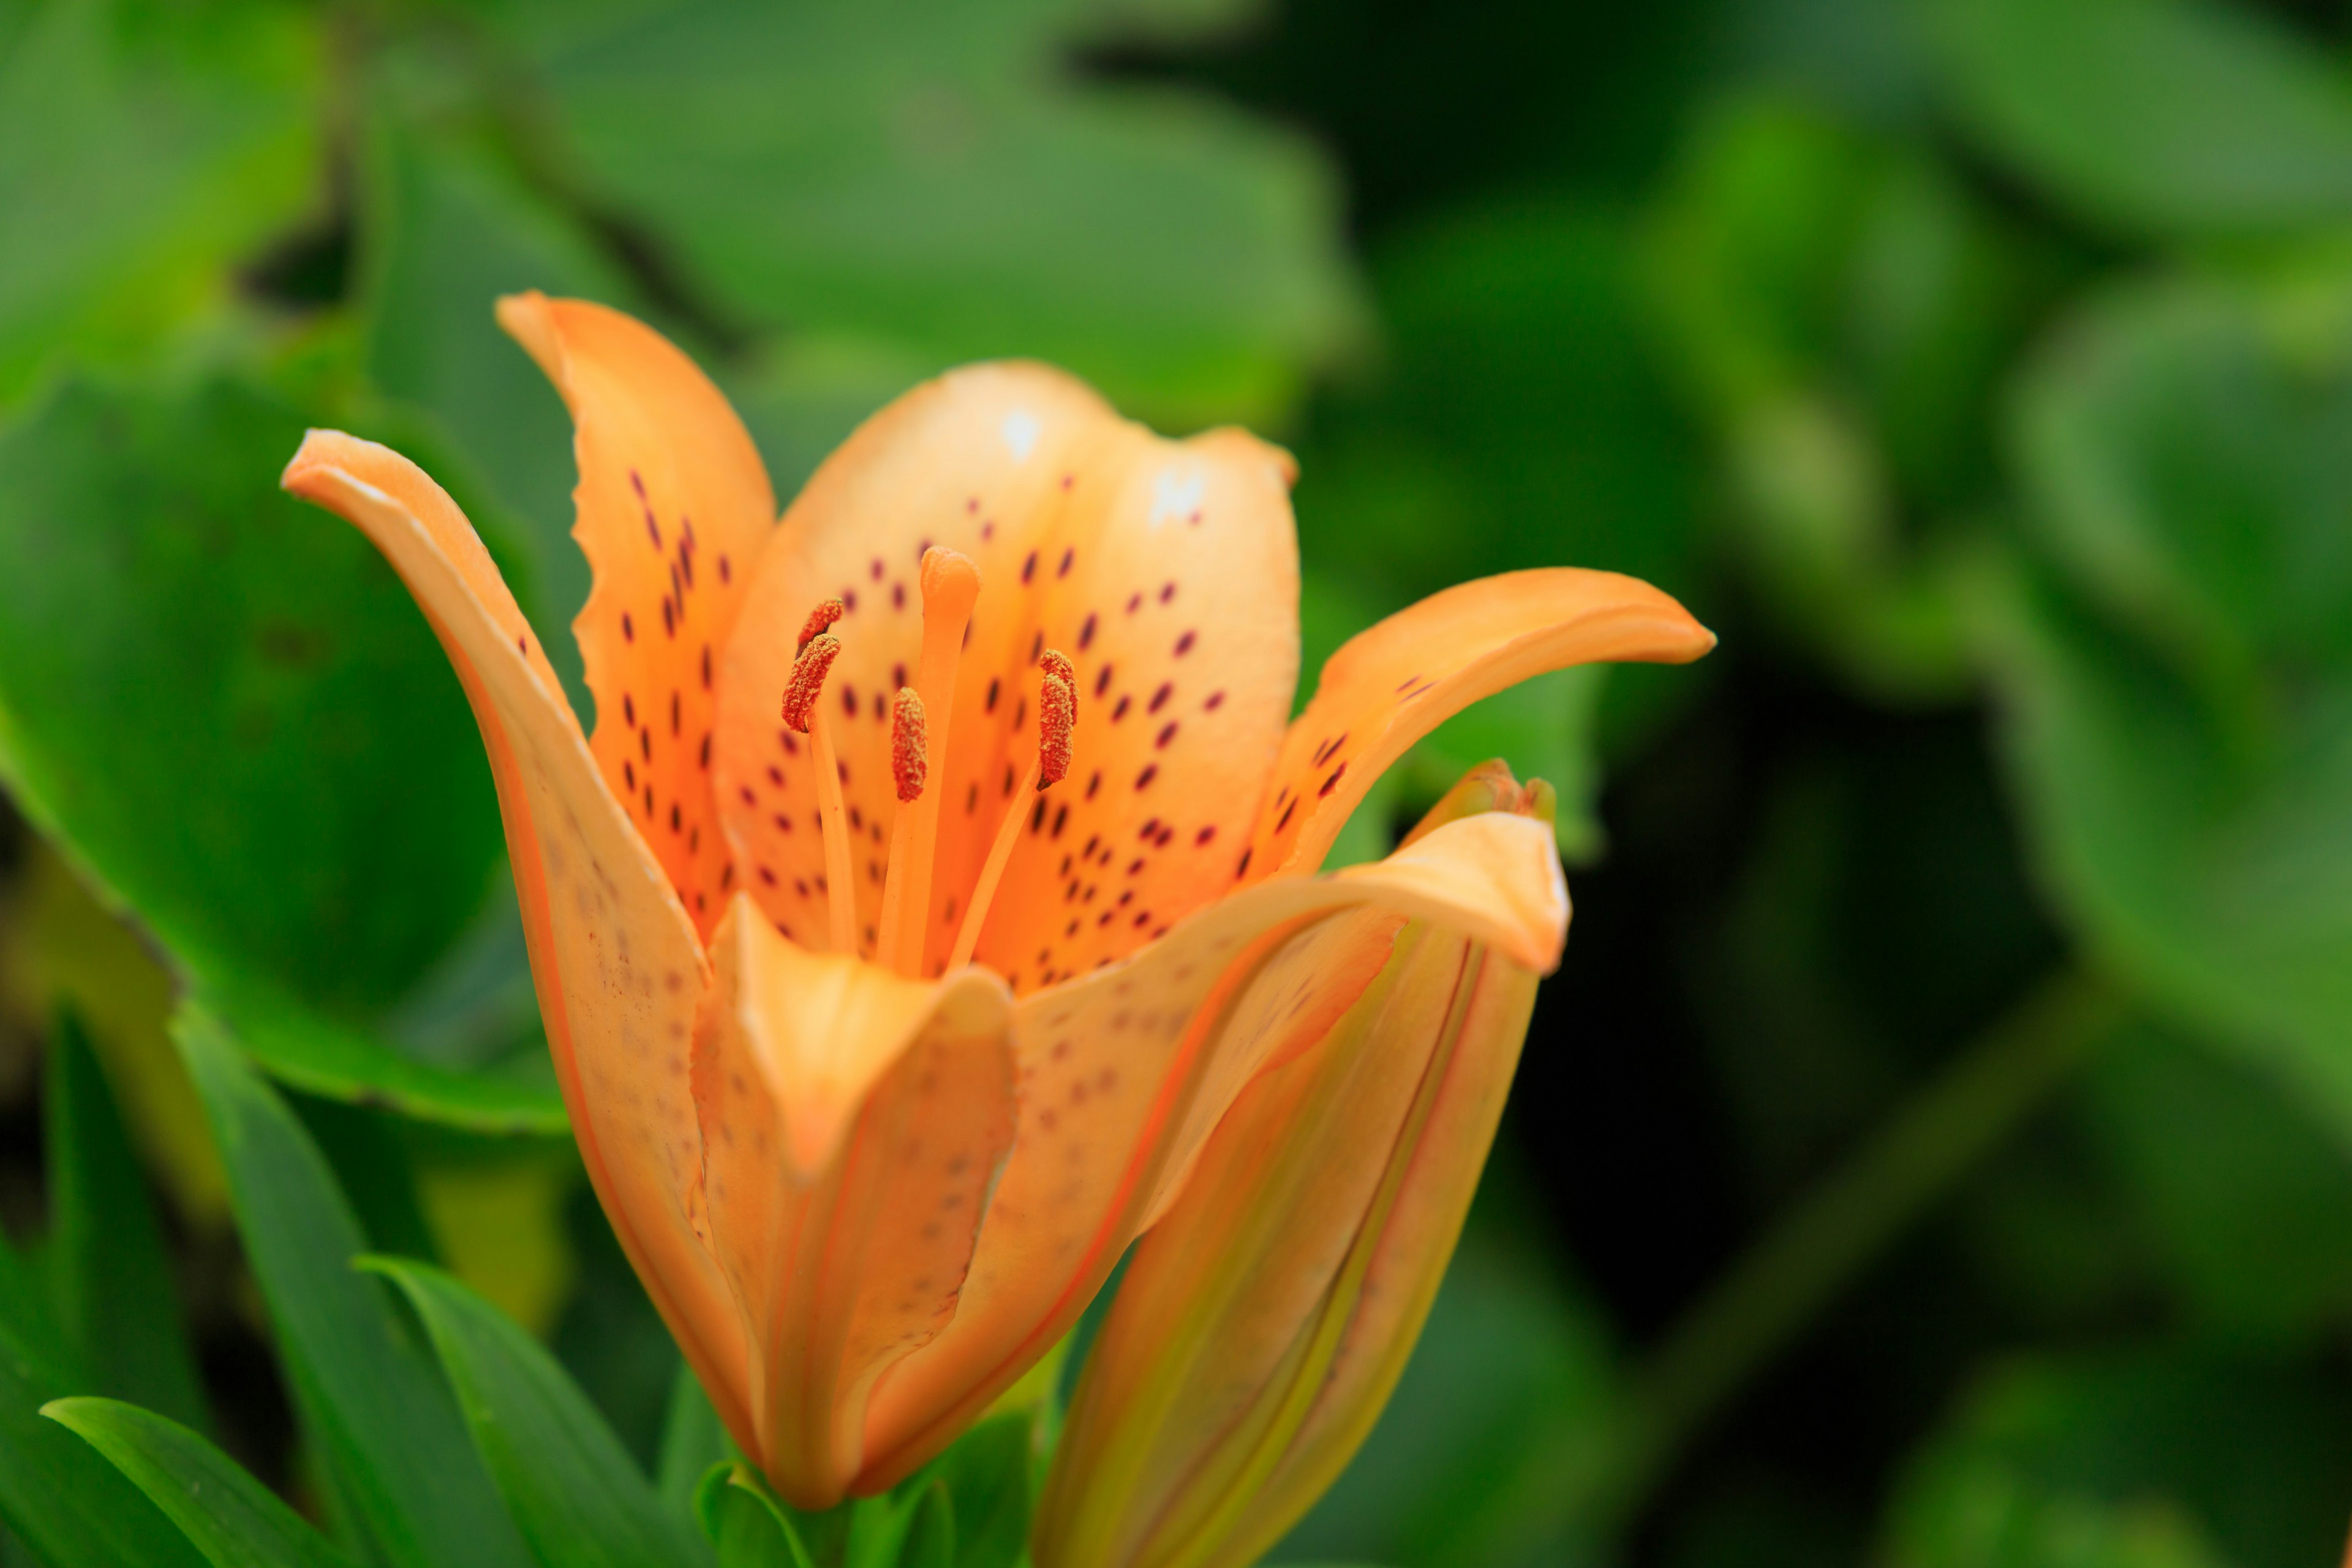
(1936, 1151)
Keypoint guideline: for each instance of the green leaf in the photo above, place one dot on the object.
(2178, 695)
(447, 228)
(105, 1262)
(145, 149)
(2245, 1193)
(391, 1445)
(929, 180)
(984, 1478)
(750, 1527)
(232, 1518)
(71, 1507)
(693, 1441)
(573, 1490)
(228, 709)
(2153, 1457)
(930, 1540)
(2167, 117)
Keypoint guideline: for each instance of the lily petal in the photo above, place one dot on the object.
(1392, 684)
(854, 1122)
(1124, 1074)
(1166, 571)
(617, 967)
(672, 508)
(1263, 1322)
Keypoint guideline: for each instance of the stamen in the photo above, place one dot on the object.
(820, 621)
(1058, 715)
(909, 764)
(950, 586)
(804, 712)
(1057, 712)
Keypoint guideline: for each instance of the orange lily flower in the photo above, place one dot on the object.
(887, 1021)
(1264, 1320)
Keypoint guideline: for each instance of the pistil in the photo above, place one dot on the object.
(804, 712)
(951, 584)
(1058, 715)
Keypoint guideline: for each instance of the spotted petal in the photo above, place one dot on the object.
(672, 507)
(854, 1122)
(1392, 684)
(1123, 1075)
(618, 969)
(1166, 570)
(1263, 1322)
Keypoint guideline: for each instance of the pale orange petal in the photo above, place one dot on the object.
(618, 969)
(1262, 1323)
(672, 509)
(1394, 683)
(854, 1122)
(1124, 1073)
(1166, 571)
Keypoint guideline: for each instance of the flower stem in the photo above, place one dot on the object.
(1751, 1315)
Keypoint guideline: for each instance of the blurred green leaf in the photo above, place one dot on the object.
(575, 1493)
(145, 147)
(2179, 714)
(390, 1444)
(231, 1518)
(751, 1528)
(2178, 117)
(2154, 1457)
(930, 179)
(693, 1440)
(226, 706)
(984, 1476)
(446, 228)
(116, 1299)
(930, 1530)
(1495, 1435)
(57, 1494)
(371, 1168)
(2246, 1194)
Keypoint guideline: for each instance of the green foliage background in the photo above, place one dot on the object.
(1937, 1152)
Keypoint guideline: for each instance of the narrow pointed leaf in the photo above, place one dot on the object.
(986, 1475)
(107, 1271)
(581, 1501)
(752, 1529)
(391, 1446)
(693, 1440)
(60, 1500)
(232, 1518)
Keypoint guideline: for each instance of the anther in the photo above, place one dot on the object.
(804, 712)
(1057, 711)
(820, 620)
(1058, 715)
(910, 760)
(1056, 664)
(818, 650)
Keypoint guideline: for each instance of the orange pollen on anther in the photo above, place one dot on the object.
(1056, 663)
(1058, 715)
(910, 760)
(820, 620)
(807, 682)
